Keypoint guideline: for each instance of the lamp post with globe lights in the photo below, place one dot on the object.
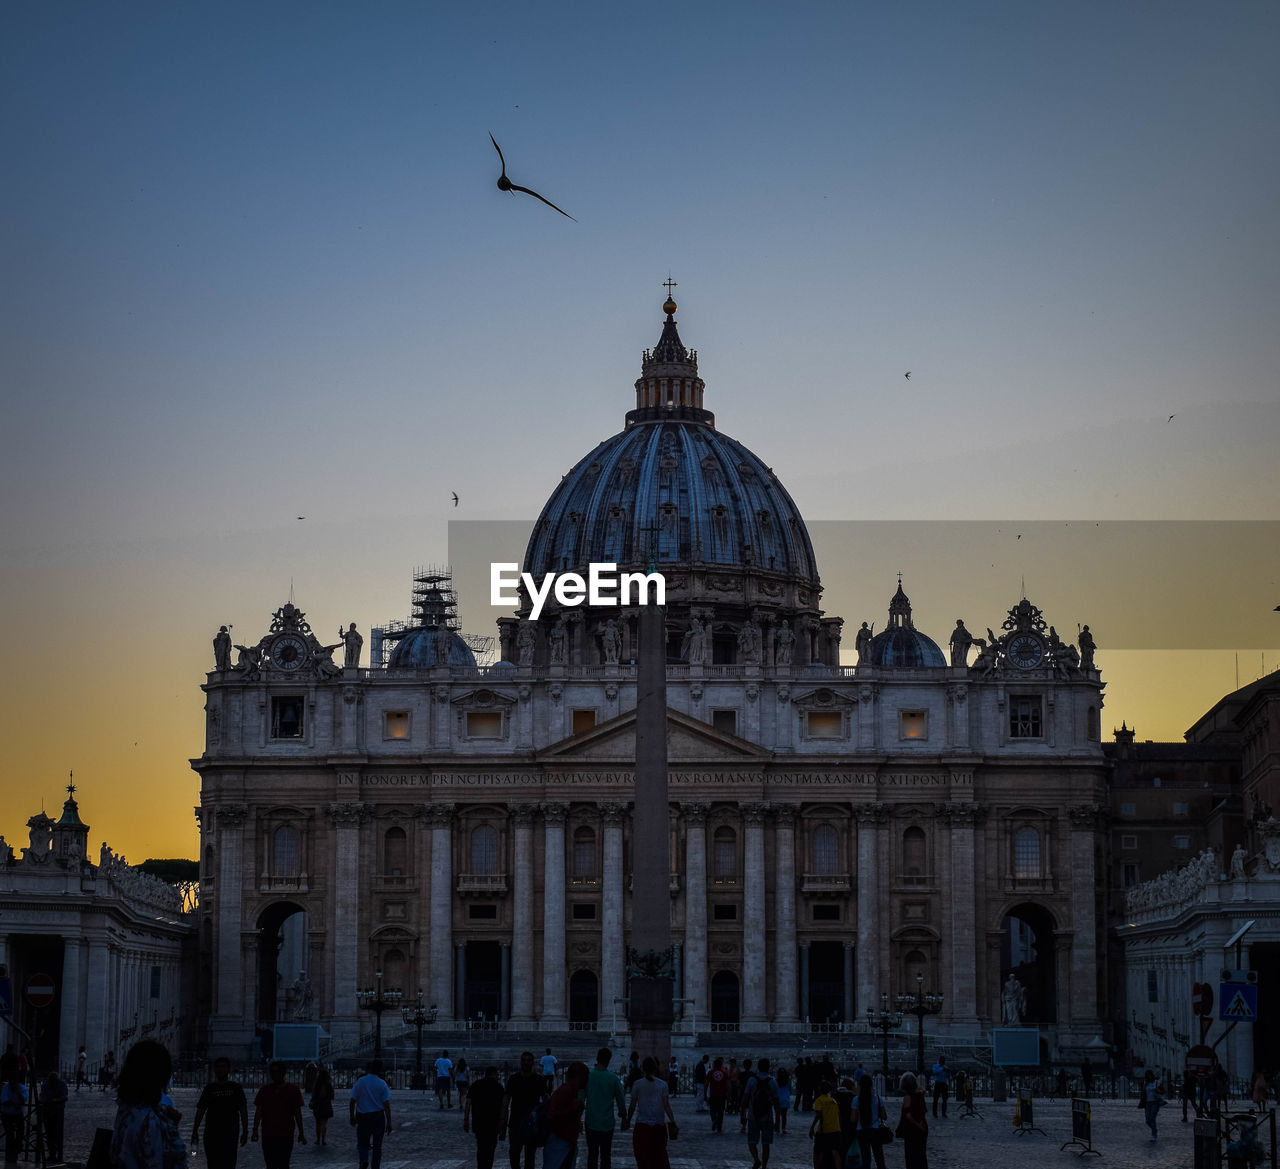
(920, 1004)
(378, 1000)
(884, 1021)
(419, 1016)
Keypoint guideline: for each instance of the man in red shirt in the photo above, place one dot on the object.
(564, 1113)
(277, 1111)
(717, 1093)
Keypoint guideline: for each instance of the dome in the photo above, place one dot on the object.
(901, 644)
(672, 489)
(417, 650)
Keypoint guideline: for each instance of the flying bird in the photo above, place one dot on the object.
(505, 184)
(302, 517)
(455, 499)
(907, 375)
(1171, 417)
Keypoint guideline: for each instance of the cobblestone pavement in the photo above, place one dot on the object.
(424, 1136)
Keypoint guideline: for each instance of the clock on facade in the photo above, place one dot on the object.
(1025, 651)
(288, 652)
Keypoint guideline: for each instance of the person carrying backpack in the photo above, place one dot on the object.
(758, 1103)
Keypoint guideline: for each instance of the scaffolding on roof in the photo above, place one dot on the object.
(435, 606)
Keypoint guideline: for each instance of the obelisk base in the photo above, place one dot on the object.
(650, 1013)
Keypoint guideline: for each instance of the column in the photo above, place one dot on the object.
(346, 819)
(70, 1023)
(753, 912)
(850, 1005)
(229, 1026)
(612, 951)
(521, 818)
(460, 980)
(804, 981)
(1084, 948)
(98, 1002)
(695, 907)
(504, 983)
(869, 988)
(964, 958)
(553, 891)
(440, 898)
(784, 915)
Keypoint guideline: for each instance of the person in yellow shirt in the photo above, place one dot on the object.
(825, 1130)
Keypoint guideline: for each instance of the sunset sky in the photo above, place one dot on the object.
(256, 267)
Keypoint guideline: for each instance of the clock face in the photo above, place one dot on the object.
(1025, 651)
(288, 652)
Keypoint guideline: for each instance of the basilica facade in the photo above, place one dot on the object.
(838, 832)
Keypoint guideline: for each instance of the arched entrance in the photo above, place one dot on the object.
(282, 957)
(1026, 953)
(584, 998)
(724, 997)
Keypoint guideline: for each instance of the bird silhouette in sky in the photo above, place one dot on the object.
(302, 517)
(1171, 417)
(907, 375)
(455, 499)
(505, 184)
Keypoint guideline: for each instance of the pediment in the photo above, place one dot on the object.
(689, 740)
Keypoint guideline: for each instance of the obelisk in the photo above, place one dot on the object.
(650, 957)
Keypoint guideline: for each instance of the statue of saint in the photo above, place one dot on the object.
(526, 643)
(749, 643)
(694, 646)
(351, 645)
(1013, 1002)
(302, 998)
(322, 658)
(862, 643)
(222, 650)
(961, 640)
(249, 661)
(559, 642)
(1237, 863)
(611, 642)
(784, 642)
(1087, 647)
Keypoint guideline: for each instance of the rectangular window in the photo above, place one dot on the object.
(1179, 809)
(1130, 874)
(725, 721)
(155, 982)
(484, 724)
(483, 913)
(1128, 840)
(584, 911)
(583, 721)
(395, 724)
(1128, 810)
(824, 724)
(913, 724)
(1024, 718)
(286, 716)
(1182, 842)
(1153, 988)
(724, 913)
(826, 913)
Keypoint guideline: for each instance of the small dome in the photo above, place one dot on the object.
(416, 650)
(902, 645)
(502, 667)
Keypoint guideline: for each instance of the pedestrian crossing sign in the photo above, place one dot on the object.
(1238, 1003)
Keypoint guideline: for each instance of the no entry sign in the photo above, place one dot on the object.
(39, 990)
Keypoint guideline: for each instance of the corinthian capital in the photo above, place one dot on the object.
(440, 815)
(349, 814)
(554, 812)
(694, 811)
(613, 813)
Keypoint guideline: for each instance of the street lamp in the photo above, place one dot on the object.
(378, 1000)
(419, 1016)
(884, 1021)
(920, 1004)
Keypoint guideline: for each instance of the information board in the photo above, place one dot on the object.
(1017, 1047)
(296, 1042)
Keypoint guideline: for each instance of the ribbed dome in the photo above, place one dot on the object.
(902, 644)
(416, 650)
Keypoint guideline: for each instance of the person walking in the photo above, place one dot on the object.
(869, 1117)
(277, 1113)
(225, 1112)
(942, 1086)
(322, 1095)
(604, 1100)
(913, 1124)
(482, 1115)
(1151, 1102)
(825, 1130)
(759, 1101)
(548, 1064)
(82, 1064)
(107, 1072)
(744, 1078)
(784, 1101)
(717, 1093)
(564, 1115)
(462, 1081)
(13, 1107)
(523, 1091)
(1187, 1094)
(369, 1109)
(143, 1136)
(700, 1085)
(1261, 1090)
(735, 1086)
(649, 1113)
(444, 1081)
(673, 1077)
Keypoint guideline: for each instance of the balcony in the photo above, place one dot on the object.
(825, 883)
(482, 884)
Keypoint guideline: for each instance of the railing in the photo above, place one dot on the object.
(482, 882)
(825, 883)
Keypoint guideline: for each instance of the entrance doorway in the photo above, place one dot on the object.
(1026, 953)
(826, 982)
(483, 992)
(282, 932)
(584, 998)
(724, 997)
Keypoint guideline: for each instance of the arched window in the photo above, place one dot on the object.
(396, 853)
(913, 963)
(484, 850)
(286, 852)
(826, 851)
(724, 860)
(1026, 854)
(914, 853)
(393, 970)
(584, 853)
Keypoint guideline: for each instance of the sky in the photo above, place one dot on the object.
(255, 267)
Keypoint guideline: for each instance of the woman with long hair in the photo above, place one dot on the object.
(462, 1081)
(145, 1136)
(650, 1110)
(869, 1117)
(913, 1125)
(322, 1102)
